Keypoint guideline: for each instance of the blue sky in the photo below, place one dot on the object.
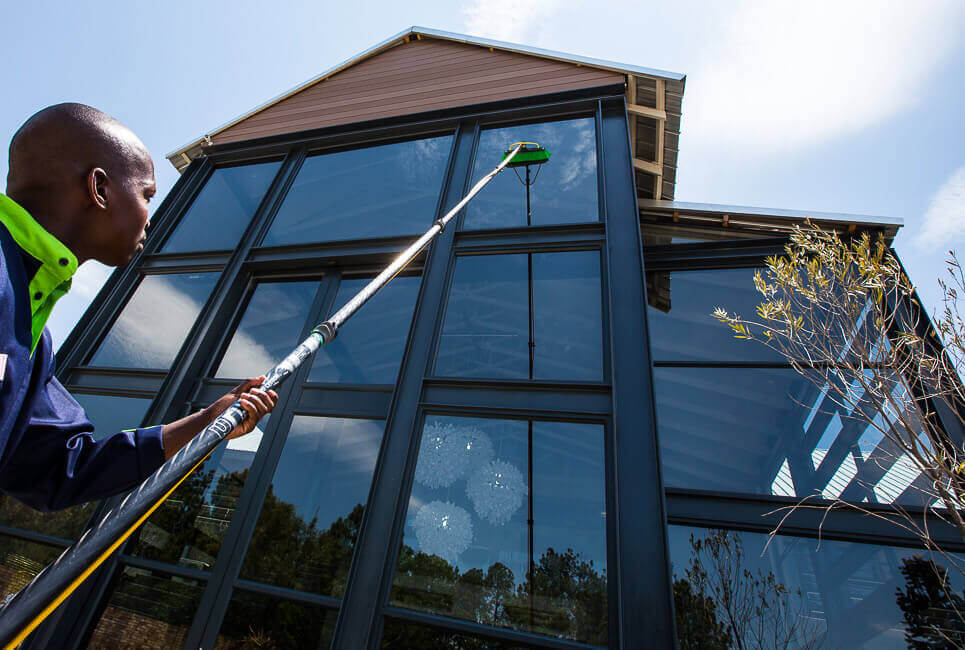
(845, 106)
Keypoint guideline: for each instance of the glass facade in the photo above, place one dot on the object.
(491, 453)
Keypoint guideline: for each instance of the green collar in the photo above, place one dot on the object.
(57, 263)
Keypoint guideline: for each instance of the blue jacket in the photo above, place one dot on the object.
(49, 458)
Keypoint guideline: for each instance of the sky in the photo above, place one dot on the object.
(847, 106)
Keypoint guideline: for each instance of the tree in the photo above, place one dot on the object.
(842, 312)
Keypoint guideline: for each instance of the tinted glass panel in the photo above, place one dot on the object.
(20, 561)
(310, 518)
(381, 191)
(661, 234)
(152, 326)
(370, 350)
(221, 212)
(486, 332)
(403, 636)
(270, 328)
(771, 431)
(681, 325)
(730, 592)
(188, 528)
(257, 621)
(109, 414)
(147, 610)
(490, 542)
(565, 190)
(567, 316)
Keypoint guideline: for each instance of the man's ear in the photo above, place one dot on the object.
(97, 187)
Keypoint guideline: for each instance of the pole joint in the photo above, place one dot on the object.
(327, 330)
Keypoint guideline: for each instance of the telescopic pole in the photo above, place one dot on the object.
(58, 580)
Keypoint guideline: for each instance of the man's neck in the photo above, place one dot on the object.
(53, 220)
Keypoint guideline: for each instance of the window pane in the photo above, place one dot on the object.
(771, 431)
(369, 350)
(109, 414)
(478, 547)
(188, 528)
(147, 609)
(486, 332)
(310, 518)
(399, 635)
(221, 211)
(258, 621)
(565, 190)
(567, 316)
(681, 325)
(660, 232)
(381, 191)
(269, 329)
(152, 326)
(20, 561)
(798, 593)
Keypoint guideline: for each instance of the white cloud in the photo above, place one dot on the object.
(509, 20)
(88, 280)
(787, 75)
(944, 223)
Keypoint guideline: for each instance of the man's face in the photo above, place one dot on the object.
(127, 216)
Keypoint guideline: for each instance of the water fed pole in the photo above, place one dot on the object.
(22, 614)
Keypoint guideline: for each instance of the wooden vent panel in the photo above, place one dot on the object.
(414, 77)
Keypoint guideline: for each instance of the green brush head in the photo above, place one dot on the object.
(530, 154)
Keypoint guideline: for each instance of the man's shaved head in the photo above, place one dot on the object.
(76, 170)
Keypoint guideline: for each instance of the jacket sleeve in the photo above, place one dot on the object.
(59, 462)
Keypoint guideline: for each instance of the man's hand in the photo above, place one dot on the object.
(256, 402)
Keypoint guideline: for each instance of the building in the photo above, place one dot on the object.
(567, 354)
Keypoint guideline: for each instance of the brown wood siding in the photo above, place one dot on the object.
(415, 77)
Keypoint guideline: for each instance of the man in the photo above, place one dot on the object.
(78, 188)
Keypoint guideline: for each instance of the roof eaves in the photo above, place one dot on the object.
(735, 210)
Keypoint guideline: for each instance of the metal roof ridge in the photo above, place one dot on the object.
(770, 212)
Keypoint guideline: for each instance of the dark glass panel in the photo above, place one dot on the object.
(152, 326)
(220, 213)
(745, 590)
(565, 190)
(310, 518)
(259, 621)
(486, 332)
(369, 351)
(20, 561)
(399, 635)
(188, 528)
(681, 325)
(381, 191)
(771, 431)
(109, 414)
(466, 551)
(269, 329)
(147, 609)
(662, 233)
(567, 316)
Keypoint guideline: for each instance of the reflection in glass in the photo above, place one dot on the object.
(565, 190)
(487, 326)
(681, 325)
(109, 414)
(486, 331)
(188, 528)
(270, 328)
(801, 594)
(567, 316)
(399, 635)
(488, 541)
(257, 621)
(20, 561)
(381, 191)
(152, 326)
(221, 212)
(798, 442)
(370, 351)
(311, 515)
(147, 609)
(657, 232)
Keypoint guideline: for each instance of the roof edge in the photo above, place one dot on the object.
(684, 206)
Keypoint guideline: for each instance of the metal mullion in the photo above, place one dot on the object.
(373, 562)
(214, 601)
(34, 537)
(163, 567)
(306, 597)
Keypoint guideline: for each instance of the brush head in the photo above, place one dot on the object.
(530, 154)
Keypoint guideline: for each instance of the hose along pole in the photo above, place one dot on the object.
(58, 580)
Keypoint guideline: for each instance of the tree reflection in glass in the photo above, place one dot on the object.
(506, 526)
